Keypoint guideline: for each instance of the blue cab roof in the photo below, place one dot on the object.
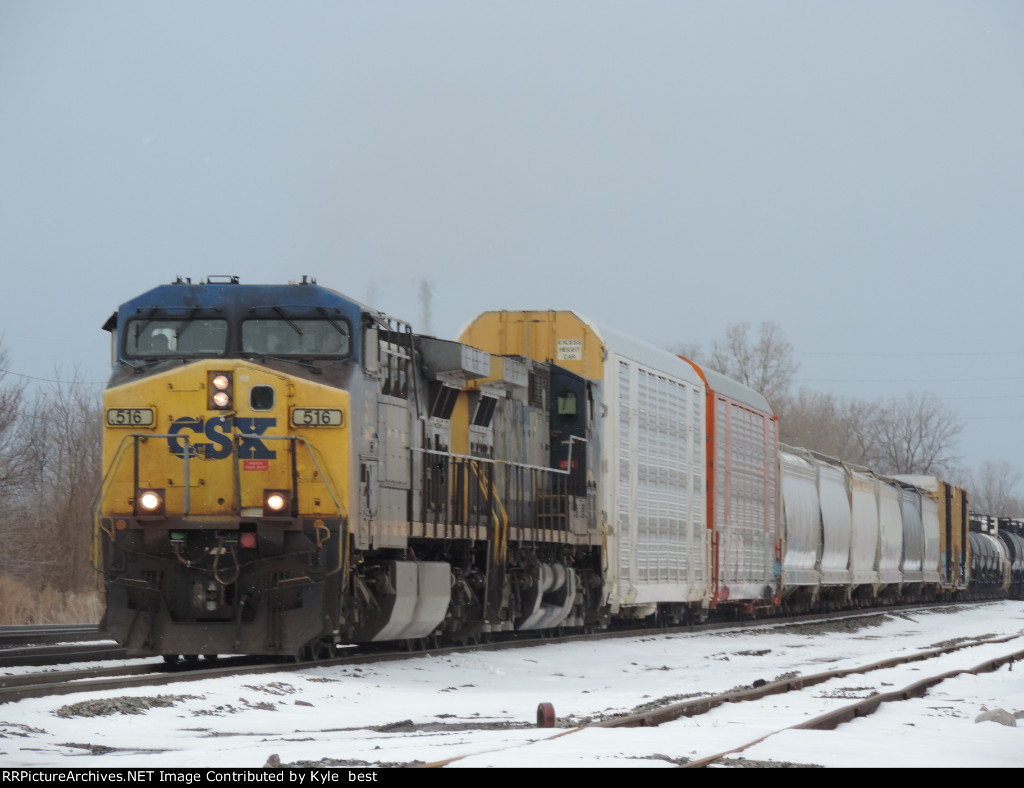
(234, 300)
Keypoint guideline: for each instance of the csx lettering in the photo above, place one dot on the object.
(252, 448)
(218, 431)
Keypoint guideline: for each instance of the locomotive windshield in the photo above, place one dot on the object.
(296, 337)
(158, 338)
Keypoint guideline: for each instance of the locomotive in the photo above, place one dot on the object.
(287, 470)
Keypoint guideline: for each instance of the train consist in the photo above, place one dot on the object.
(287, 470)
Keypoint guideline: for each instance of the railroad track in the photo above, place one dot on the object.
(41, 684)
(119, 677)
(829, 720)
(34, 645)
(472, 708)
(785, 700)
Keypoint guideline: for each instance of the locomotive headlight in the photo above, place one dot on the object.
(219, 386)
(275, 502)
(149, 502)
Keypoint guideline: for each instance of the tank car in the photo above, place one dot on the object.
(991, 559)
(1011, 531)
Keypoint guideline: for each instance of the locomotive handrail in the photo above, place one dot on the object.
(524, 465)
(118, 458)
(499, 514)
(311, 448)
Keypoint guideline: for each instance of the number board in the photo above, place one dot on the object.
(316, 417)
(130, 417)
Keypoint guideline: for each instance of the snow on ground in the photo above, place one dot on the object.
(482, 705)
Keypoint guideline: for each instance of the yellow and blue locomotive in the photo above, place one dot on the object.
(286, 469)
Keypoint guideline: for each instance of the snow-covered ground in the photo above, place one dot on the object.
(483, 705)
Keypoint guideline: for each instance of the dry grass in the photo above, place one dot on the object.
(23, 604)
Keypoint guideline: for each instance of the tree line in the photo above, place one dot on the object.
(50, 471)
(913, 434)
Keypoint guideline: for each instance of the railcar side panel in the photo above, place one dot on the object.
(912, 563)
(802, 522)
(953, 525)
(864, 546)
(890, 521)
(836, 523)
(659, 495)
(742, 493)
(955, 516)
(931, 530)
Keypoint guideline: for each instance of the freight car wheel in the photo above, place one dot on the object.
(171, 659)
(191, 659)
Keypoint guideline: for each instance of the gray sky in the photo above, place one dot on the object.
(851, 170)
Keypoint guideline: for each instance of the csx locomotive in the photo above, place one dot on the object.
(287, 470)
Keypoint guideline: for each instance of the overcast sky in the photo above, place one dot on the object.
(851, 170)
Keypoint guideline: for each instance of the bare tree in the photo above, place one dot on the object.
(996, 489)
(688, 350)
(828, 424)
(11, 427)
(765, 364)
(915, 435)
(72, 413)
(59, 455)
(20, 552)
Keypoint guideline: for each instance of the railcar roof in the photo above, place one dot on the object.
(929, 483)
(650, 356)
(625, 345)
(733, 389)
